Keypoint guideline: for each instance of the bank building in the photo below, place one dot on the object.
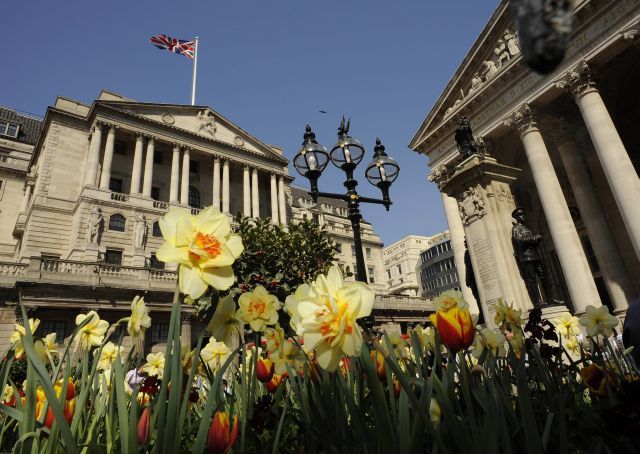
(564, 147)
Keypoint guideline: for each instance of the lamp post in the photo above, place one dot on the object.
(346, 154)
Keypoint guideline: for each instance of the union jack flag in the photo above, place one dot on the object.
(178, 46)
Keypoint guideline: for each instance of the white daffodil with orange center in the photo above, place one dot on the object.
(203, 246)
(258, 308)
(328, 317)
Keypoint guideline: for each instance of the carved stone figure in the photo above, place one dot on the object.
(464, 138)
(476, 83)
(471, 206)
(525, 246)
(140, 232)
(511, 39)
(94, 225)
(490, 69)
(544, 27)
(207, 122)
(502, 53)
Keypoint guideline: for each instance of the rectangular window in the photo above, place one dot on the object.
(316, 219)
(155, 264)
(193, 166)
(115, 185)
(113, 257)
(400, 269)
(55, 326)
(389, 274)
(155, 193)
(157, 157)
(159, 332)
(372, 279)
(339, 248)
(353, 250)
(120, 147)
(368, 252)
(8, 129)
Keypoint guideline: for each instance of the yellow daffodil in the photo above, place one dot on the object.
(19, 333)
(223, 322)
(505, 313)
(154, 365)
(489, 340)
(275, 339)
(397, 343)
(258, 308)
(291, 305)
(51, 343)
(449, 299)
(434, 411)
(426, 336)
(108, 355)
(598, 321)
(328, 317)
(572, 344)
(203, 246)
(139, 321)
(91, 334)
(290, 355)
(567, 325)
(8, 397)
(214, 354)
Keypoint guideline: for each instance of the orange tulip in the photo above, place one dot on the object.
(595, 377)
(455, 328)
(265, 369)
(272, 385)
(143, 426)
(378, 360)
(69, 409)
(221, 436)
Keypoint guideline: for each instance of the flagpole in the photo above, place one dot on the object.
(195, 70)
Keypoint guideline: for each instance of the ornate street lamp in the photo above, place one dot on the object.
(346, 154)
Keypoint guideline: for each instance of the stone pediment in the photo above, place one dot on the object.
(201, 121)
(492, 55)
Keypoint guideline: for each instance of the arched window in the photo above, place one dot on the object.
(117, 222)
(156, 229)
(194, 197)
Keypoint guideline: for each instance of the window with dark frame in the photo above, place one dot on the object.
(117, 222)
(156, 230)
(159, 332)
(194, 197)
(115, 185)
(371, 276)
(368, 252)
(155, 193)
(155, 264)
(120, 147)
(193, 166)
(113, 257)
(157, 157)
(55, 326)
(9, 129)
(339, 248)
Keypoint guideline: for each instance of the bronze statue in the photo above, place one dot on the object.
(464, 138)
(526, 245)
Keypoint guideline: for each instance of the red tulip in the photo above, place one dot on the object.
(272, 385)
(455, 328)
(221, 436)
(378, 361)
(143, 426)
(265, 369)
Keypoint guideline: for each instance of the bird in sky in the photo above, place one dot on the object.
(322, 111)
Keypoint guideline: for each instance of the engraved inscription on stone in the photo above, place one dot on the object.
(486, 267)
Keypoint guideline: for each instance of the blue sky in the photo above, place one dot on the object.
(267, 65)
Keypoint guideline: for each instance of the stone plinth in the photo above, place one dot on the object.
(482, 187)
(139, 259)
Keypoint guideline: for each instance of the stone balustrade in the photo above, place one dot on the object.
(403, 303)
(13, 269)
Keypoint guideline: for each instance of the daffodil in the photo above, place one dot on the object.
(434, 411)
(449, 299)
(139, 321)
(328, 317)
(203, 246)
(214, 354)
(598, 321)
(289, 355)
(275, 339)
(91, 334)
(223, 321)
(506, 314)
(258, 308)
(567, 325)
(8, 396)
(291, 304)
(154, 365)
(489, 340)
(426, 336)
(19, 333)
(398, 344)
(572, 344)
(108, 355)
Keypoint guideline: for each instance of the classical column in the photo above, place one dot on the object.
(575, 267)
(282, 204)
(184, 183)
(105, 177)
(274, 200)
(136, 172)
(91, 169)
(225, 186)
(246, 192)
(25, 200)
(186, 319)
(175, 174)
(255, 195)
(148, 167)
(216, 182)
(615, 161)
(612, 267)
(456, 232)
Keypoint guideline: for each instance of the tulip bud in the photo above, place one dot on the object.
(396, 387)
(265, 369)
(69, 409)
(272, 385)
(378, 360)
(221, 436)
(143, 426)
(455, 328)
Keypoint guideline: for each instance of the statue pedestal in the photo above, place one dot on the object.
(91, 253)
(139, 259)
(481, 186)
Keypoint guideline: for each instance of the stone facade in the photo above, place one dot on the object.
(400, 262)
(565, 147)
